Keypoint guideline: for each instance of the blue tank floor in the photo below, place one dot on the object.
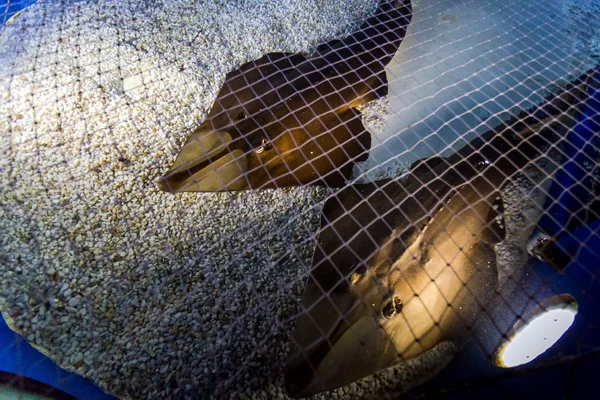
(8, 8)
(18, 357)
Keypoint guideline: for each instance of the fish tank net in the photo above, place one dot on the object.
(326, 199)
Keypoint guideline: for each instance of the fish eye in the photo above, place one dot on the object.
(483, 163)
(425, 256)
(264, 145)
(242, 115)
(392, 308)
(357, 274)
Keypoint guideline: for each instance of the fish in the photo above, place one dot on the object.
(288, 119)
(403, 264)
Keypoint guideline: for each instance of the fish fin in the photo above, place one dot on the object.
(338, 250)
(481, 284)
(352, 143)
(269, 68)
(562, 249)
(394, 246)
(379, 87)
(326, 48)
(483, 259)
(423, 172)
(355, 222)
(495, 229)
(546, 249)
(426, 165)
(273, 62)
(343, 201)
(361, 137)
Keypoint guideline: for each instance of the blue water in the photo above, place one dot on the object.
(8, 8)
(573, 187)
(18, 357)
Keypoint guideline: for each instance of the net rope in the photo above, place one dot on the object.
(242, 282)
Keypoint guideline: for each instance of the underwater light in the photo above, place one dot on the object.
(537, 331)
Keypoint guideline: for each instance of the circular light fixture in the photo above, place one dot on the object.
(537, 331)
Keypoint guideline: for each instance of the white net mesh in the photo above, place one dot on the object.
(364, 191)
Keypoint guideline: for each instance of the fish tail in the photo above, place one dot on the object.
(574, 199)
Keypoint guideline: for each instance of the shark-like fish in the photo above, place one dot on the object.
(401, 265)
(288, 120)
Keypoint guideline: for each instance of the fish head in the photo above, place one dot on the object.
(222, 152)
(259, 151)
(424, 285)
(269, 134)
